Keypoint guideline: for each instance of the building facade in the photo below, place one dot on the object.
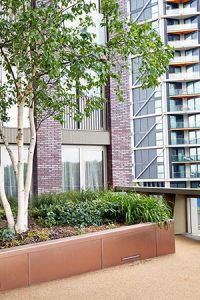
(93, 154)
(166, 120)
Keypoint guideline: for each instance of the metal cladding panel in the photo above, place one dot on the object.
(127, 247)
(13, 272)
(165, 239)
(62, 261)
(84, 137)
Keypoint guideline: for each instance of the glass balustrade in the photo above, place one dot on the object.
(184, 125)
(185, 158)
(181, 92)
(178, 174)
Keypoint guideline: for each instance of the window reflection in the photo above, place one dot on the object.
(93, 170)
(70, 169)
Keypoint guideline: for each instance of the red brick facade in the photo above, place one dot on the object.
(47, 172)
(119, 153)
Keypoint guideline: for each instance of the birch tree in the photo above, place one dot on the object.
(51, 57)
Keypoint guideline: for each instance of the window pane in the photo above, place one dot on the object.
(9, 176)
(93, 160)
(70, 169)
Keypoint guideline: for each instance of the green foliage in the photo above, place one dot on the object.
(2, 213)
(43, 42)
(6, 235)
(42, 235)
(97, 208)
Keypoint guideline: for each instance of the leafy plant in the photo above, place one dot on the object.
(97, 208)
(6, 235)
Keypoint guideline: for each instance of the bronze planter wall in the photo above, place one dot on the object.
(27, 265)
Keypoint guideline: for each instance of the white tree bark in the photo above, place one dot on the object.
(30, 159)
(21, 224)
(4, 200)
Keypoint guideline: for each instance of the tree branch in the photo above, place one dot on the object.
(9, 66)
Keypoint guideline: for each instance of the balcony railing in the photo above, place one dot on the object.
(182, 27)
(182, 141)
(184, 76)
(181, 11)
(183, 108)
(178, 174)
(178, 141)
(183, 175)
(184, 44)
(183, 158)
(195, 175)
(184, 125)
(181, 92)
(185, 59)
(195, 141)
(96, 121)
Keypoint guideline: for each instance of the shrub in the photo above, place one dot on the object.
(140, 209)
(6, 235)
(97, 208)
(2, 214)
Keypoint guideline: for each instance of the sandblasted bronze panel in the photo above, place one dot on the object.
(13, 272)
(165, 240)
(62, 261)
(126, 247)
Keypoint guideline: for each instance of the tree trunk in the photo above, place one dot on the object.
(21, 225)
(6, 204)
(30, 159)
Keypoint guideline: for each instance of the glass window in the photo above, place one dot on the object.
(82, 167)
(71, 169)
(9, 176)
(93, 161)
(160, 171)
(177, 53)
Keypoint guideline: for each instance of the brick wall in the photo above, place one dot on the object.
(119, 153)
(47, 170)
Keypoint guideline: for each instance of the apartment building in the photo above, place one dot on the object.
(166, 120)
(93, 154)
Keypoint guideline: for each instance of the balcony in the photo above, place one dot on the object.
(185, 159)
(181, 12)
(178, 174)
(183, 175)
(181, 77)
(184, 109)
(97, 121)
(184, 60)
(194, 175)
(194, 142)
(179, 141)
(177, 1)
(180, 93)
(184, 44)
(182, 28)
(182, 141)
(184, 126)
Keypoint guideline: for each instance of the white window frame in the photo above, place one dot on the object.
(82, 149)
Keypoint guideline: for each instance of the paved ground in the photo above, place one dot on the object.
(170, 277)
